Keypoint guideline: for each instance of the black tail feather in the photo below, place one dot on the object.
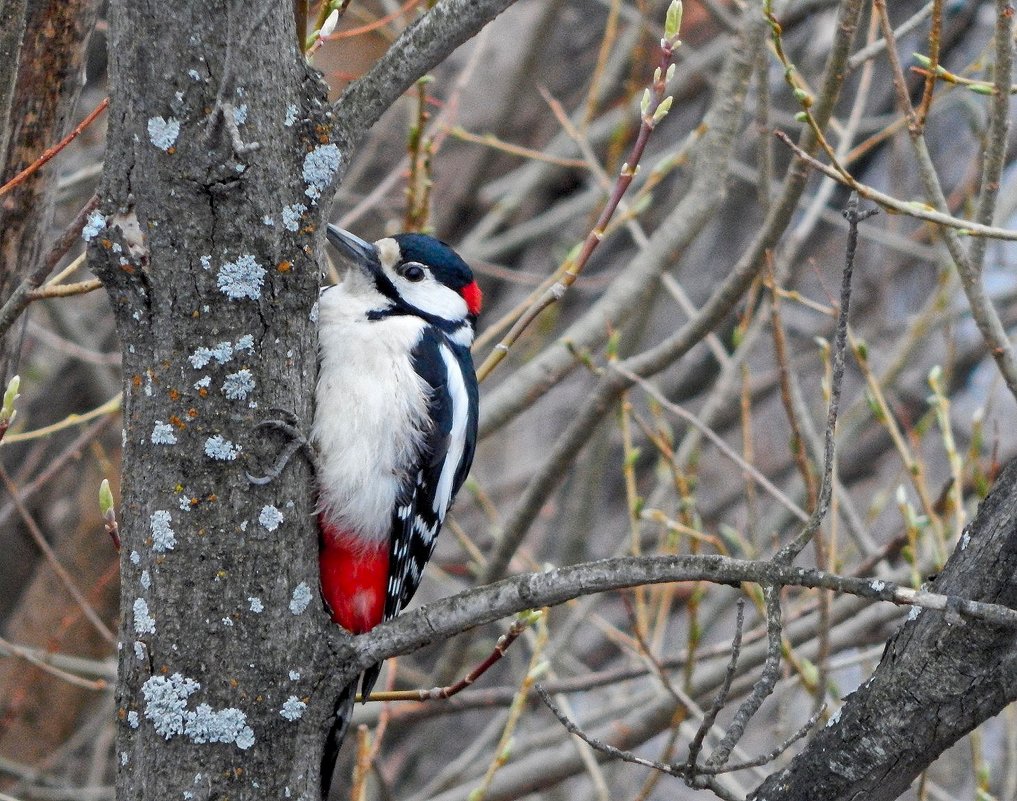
(340, 725)
(367, 681)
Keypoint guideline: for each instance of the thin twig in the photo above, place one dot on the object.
(721, 698)
(30, 656)
(603, 747)
(930, 80)
(65, 290)
(618, 753)
(996, 137)
(788, 553)
(54, 561)
(518, 626)
(919, 211)
(49, 153)
(763, 686)
(773, 754)
(112, 406)
(492, 141)
(19, 298)
(654, 108)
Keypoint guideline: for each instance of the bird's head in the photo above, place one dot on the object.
(417, 273)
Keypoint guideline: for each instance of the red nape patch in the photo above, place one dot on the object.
(473, 296)
(353, 579)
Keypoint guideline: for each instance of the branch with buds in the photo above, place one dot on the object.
(653, 107)
(523, 621)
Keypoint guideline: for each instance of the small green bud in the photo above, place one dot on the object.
(7, 411)
(656, 75)
(673, 20)
(662, 109)
(669, 74)
(329, 24)
(982, 89)
(105, 499)
(874, 407)
(862, 349)
(803, 97)
(530, 616)
(644, 104)
(925, 61)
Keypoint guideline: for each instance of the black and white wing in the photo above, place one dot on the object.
(445, 459)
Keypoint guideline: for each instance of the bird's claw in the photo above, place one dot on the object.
(297, 442)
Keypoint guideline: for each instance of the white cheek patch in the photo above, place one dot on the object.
(432, 297)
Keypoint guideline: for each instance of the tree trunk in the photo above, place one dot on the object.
(207, 248)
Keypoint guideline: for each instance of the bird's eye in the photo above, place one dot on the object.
(413, 272)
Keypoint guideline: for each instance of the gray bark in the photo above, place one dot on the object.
(207, 248)
(227, 602)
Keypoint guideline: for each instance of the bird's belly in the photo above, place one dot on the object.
(371, 407)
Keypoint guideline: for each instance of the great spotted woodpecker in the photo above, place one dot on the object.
(395, 427)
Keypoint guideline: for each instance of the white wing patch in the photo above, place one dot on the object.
(457, 437)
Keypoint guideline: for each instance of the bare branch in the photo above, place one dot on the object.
(718, 702)
(788, 553)
(763, 686)
(450, 616)
(22, 295)
(419, 48)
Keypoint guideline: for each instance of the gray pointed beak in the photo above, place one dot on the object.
(362, 253)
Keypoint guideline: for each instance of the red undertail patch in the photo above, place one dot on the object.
(353, 579)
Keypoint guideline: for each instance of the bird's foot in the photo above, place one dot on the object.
(287, 424)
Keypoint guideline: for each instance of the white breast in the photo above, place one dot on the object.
(371, 407)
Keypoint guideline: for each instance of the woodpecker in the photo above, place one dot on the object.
(395, 427)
